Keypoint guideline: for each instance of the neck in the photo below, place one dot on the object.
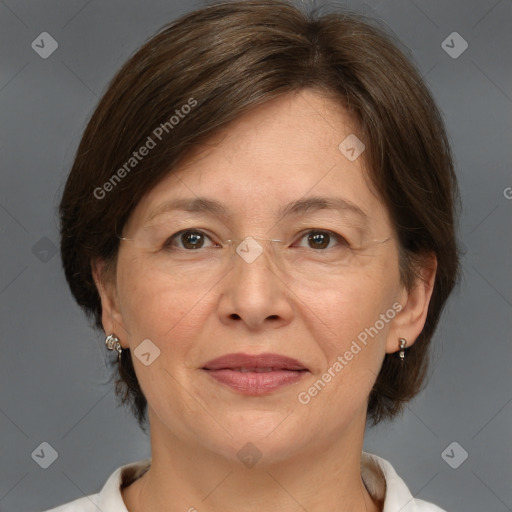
(185, 476)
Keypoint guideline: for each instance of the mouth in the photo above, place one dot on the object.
(257, 370)
(255, 374)
(259, 362)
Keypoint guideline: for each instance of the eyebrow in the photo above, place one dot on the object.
(300, 206)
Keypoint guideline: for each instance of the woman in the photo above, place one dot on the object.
(260, 217)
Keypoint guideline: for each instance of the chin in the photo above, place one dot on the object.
(270, 437)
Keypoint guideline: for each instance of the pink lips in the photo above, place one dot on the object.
(255, 374)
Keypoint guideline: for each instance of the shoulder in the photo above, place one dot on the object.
(383, 482)
(109, 499)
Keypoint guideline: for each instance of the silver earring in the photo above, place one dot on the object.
(112, 342)
(402, 344)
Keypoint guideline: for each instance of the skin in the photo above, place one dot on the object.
(277, 153)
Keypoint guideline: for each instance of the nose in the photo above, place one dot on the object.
(254, 292)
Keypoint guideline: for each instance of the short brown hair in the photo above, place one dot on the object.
(224, 60)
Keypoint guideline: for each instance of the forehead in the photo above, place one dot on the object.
(268, 161)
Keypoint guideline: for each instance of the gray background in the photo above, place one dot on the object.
(53, 376)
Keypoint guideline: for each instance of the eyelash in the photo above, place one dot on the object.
(168, 243)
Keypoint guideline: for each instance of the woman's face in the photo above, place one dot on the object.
(327, 296)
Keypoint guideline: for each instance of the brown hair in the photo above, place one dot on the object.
(223, 60)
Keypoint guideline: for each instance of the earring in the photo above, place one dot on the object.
(402, 343)
(112, 342)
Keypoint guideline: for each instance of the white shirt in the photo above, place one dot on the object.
(378, 475)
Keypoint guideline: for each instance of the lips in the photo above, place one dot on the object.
(255, 375)
(255, 363)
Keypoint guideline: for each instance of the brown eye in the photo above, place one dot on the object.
(189, 240)
(319, 240)
(192, 240)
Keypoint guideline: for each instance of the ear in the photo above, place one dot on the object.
(111, 316)
(410, 320)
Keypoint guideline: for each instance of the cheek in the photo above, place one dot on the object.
(350, 323)
(170, 313)
(154, 305)
(353, 304)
